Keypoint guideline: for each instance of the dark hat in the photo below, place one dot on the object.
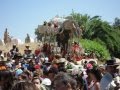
(112, 62)
(28, 50)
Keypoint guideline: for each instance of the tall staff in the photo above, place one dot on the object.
(45, 30)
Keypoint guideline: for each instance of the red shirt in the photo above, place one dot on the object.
(37, 52)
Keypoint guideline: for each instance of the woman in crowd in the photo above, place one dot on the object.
(95, 76)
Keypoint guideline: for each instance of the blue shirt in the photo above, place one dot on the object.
(105, 81)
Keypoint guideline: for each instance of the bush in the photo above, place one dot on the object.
(100, 51)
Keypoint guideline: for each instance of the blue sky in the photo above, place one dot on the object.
(23, 16)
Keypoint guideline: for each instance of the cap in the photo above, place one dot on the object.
(46, 81)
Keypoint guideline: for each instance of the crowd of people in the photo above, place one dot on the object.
(43, 69)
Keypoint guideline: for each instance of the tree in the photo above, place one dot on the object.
(38, 36)
(116, 23)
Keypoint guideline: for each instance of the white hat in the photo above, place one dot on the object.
(46, 59)
(46, 81)
(61, 60)
(13, 61)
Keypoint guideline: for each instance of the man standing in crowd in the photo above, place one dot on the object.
(111, 66)
(14, 50)
(28, 53)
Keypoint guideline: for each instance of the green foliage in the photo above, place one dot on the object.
(80, 19)
(94, 28)
(100, 51)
